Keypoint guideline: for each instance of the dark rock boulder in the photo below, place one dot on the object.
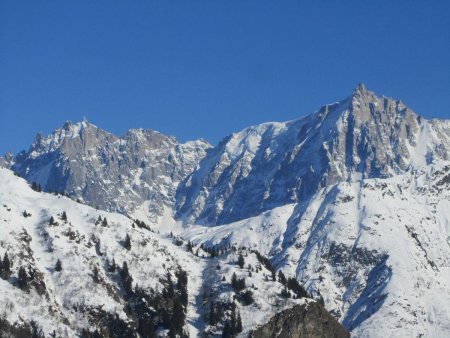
(304, 320)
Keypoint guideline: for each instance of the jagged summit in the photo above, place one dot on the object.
(361, 90)
(110, 172)
(269, 165)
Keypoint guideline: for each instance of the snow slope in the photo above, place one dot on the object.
(69, 300)
(377, 250)
(80, 244)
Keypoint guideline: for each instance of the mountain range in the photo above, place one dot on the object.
(352, 201)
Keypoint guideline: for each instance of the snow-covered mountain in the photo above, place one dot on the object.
(90, 292)
(377, 250)
(274, 164)
(108, 172)
(352, 200)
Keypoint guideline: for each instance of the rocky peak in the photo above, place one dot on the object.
(269, 165)
(110, 172)
(361, 91)
(7, 159)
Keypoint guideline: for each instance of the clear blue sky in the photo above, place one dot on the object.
(207, 68)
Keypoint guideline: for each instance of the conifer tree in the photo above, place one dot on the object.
(64, 216)
(178, 318)
(104, 222)
(6, 263)
(234, 280)
(295, 286)
(227, 333)
(182, 281)
(127, 242)
(247, 297)
(58, 266)
(51, 221)
(238, 328)
(22, 278)
(127, 280)
(240, 262)
(95, 276)
(213, 320)
(282, 278)
(169, 292)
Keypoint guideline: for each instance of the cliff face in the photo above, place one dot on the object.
(304, 320)
(108, 172)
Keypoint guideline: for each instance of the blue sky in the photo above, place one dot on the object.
(203, 69)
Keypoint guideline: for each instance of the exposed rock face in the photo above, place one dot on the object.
(109, 172)
(273, 164)
(308, 320)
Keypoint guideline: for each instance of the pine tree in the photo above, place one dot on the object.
(169, 292)
(178, 318)
(212, 315)
(238, 328)
(226, 333)
(22, 279)
(295, 286)
(247, 297)
(95, 276)
(234, 281)
(58, 266)
(6, 263)
(127, 242)
(51, 221)
(146, 327)
(240, 261)
(282, 278)
(182, 281)
(127, 280)
(285, 293)
(233, 319)
(104, 222)
(64, 216)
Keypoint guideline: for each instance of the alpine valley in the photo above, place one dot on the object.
(335, 224)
